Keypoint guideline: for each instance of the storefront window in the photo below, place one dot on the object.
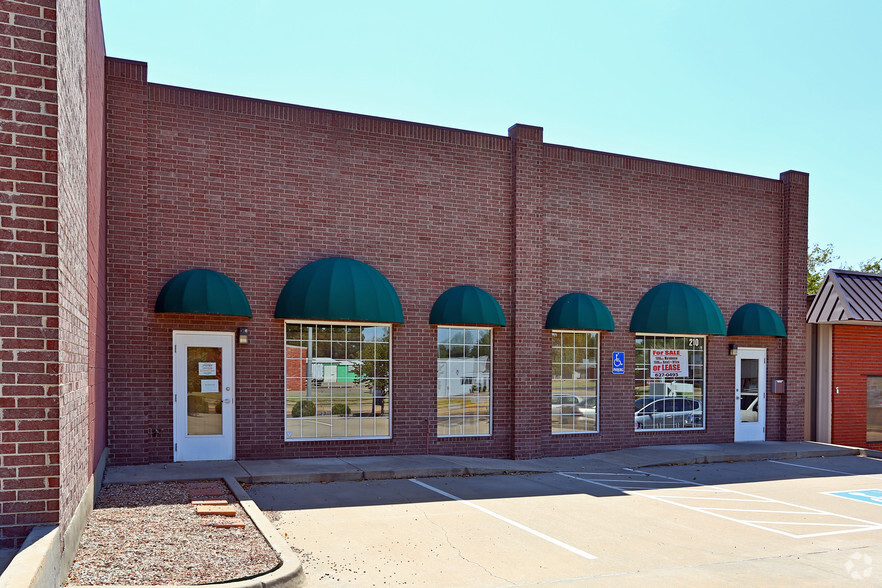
(669, 382)
(574, 381)
(874, 409)
(465, 390)
(338, 381)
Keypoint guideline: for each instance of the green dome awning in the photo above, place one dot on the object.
(756, 319)
(202, 291)
(577, 311)
(339, 289)
(677, 308)
(466, 305)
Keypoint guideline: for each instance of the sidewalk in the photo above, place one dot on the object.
(426, 466)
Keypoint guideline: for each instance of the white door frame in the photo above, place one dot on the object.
(203, 447)
(752, 430)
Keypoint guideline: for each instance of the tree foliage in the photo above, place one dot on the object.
(822, 258)
(872, 265)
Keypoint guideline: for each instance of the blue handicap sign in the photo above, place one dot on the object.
(618, 362)
(872, 496)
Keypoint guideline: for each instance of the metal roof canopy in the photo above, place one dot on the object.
(848, 297)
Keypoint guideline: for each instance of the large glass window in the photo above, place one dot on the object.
(874, 409)
(465, 389)
(669, 382)
(574, 381)
(338, 381)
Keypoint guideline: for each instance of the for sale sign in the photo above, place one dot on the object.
(669, 363)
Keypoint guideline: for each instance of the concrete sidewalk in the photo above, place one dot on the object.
(427, 466)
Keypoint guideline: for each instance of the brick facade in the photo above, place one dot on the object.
(256, 190)
(857, 353)
(51, 176)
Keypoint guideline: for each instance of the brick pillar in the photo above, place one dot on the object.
(794, 235)
(127, 250)
(29, 391)
(530, 355)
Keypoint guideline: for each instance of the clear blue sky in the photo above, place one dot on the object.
(750, 86)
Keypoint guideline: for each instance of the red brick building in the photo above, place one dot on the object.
(845, 321)
(283, 281)
(259, 191)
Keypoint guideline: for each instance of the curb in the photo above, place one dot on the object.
(833, 451)
(290, 573)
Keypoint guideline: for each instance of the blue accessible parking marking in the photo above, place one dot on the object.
(873, 496)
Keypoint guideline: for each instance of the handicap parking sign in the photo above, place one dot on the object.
(872, 496)
(618, 362)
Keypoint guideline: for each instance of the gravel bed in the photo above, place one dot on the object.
(150, 534)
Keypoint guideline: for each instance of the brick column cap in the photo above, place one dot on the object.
(529, 132)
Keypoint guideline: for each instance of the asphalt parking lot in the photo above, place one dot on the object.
(808, 522)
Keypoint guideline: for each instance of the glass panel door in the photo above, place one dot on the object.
(204, 395)
(750, 395)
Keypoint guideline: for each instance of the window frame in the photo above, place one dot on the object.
(388, 397)
(490, 387)
(596, 385)
(871, 378)
(704, 390)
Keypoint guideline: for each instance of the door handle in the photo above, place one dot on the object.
(228, 400)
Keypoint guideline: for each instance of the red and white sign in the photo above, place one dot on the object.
(669, 363)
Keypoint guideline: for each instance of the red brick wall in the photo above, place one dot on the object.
(46, 438)
(295, 368)
(97, 244)
(28, 270)
(257, 190)
(857, 353)
(80, 210)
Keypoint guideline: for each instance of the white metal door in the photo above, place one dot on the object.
(204, 395)
(750, 395)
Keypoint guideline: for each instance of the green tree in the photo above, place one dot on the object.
(819, 261)
(872, 265)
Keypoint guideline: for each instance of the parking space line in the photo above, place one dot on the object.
(655, 482)
(799, 465)
(534, 532)
(683, 502)
(799, 512)
(711, 498)
(859, 527)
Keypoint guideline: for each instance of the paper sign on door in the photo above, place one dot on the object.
(210, 386)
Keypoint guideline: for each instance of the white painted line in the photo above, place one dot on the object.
(798, 465)
(714, 514)
(868, 525)
(799, 512)
(810, 524)
(680, 501)
(593, 474)
(636, 481)
(710, 498)
(552, 540)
